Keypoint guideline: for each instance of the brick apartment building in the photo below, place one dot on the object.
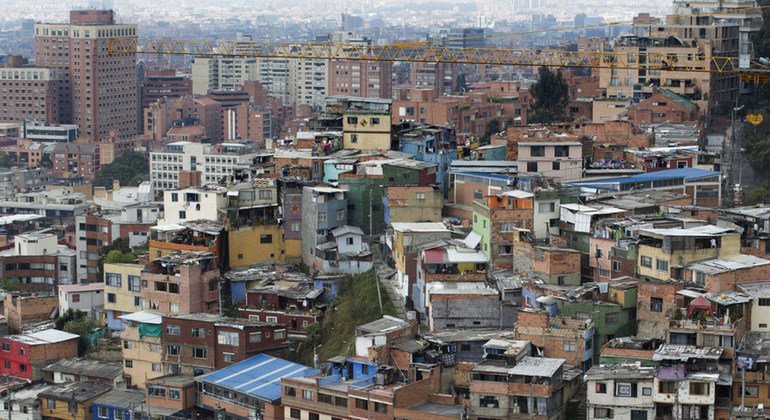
(74, 160)
(28, 92)
(160, 84)
(77, 51)
(367, 79)
(182, 283)
(200, 343)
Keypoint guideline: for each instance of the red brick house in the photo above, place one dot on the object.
(26, 355)
(664, 106)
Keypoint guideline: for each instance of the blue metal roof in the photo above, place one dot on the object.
(258, 376)
(685, 173)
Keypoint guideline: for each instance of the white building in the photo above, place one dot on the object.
(346, 253)
(24, 404)
(88, 298)
(214, 162)
(55, 264)
(195, 203)
(620, 391)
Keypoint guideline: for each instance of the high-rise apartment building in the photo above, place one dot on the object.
(29, 94)
(368, 79)
(159, 84)
(97, 90)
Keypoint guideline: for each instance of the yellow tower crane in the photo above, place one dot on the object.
(753, 71)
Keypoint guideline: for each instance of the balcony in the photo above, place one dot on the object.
(713, 324)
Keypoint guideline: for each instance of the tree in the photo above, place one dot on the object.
(122, 246)
(129, 168)
(493, 127)
(551, 97)
(117, 257)
(758, 195)
(66, 317)
(756, 141)
(82, 327)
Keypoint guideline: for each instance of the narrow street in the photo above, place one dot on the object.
(387, 277)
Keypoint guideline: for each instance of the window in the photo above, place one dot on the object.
(546, 207)
(156, 391)
(280, 334)
(667, 387)
(119, 415)
(266, 239)
(362, 404)
(50, 403)
(113, 279)
(255, 337)
(489, 401)
(75, 297)
(556, 165)
(134, 283)
(375, 120)
(752, 392)
(603, 413)
(352, 120)
(365, 369)
(625, 389)
(324, 398)
(354, 138)
(656, 304)
(128, 363)
(611, 318)
(228, 357)
(313, 416)
(531, 166)
(227, 338)
(157, 367)
(271, 319)
(111, 298)
(646, 261)
(173, 329)
(6, 347)
(290, 391)
(198, 332)
(699, 388)
(22, 367)
(174, 197)
(199, 353)
(381, 408)
(662, 265)
(307, 394)
(182, 214)
(603, 272)
(570, 346)
(294, 413)
(128, 344)
(601, 388)
(321, 217)
(764, 301)
(340, 402)
(420, 196)
(173, 394)
(537, 151)
(561, 151)
(172, 350)
(646, 391)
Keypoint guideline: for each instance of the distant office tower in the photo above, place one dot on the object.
(97, 90)
(160, 84)
(29, 93)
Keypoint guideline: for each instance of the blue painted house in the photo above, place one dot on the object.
(117, 404)
(430, 144)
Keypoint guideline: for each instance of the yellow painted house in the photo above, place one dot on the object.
(366, 130)
(122, 292)
(259, 243)
(70, 401)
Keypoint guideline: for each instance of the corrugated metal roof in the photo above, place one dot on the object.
(258, 376)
